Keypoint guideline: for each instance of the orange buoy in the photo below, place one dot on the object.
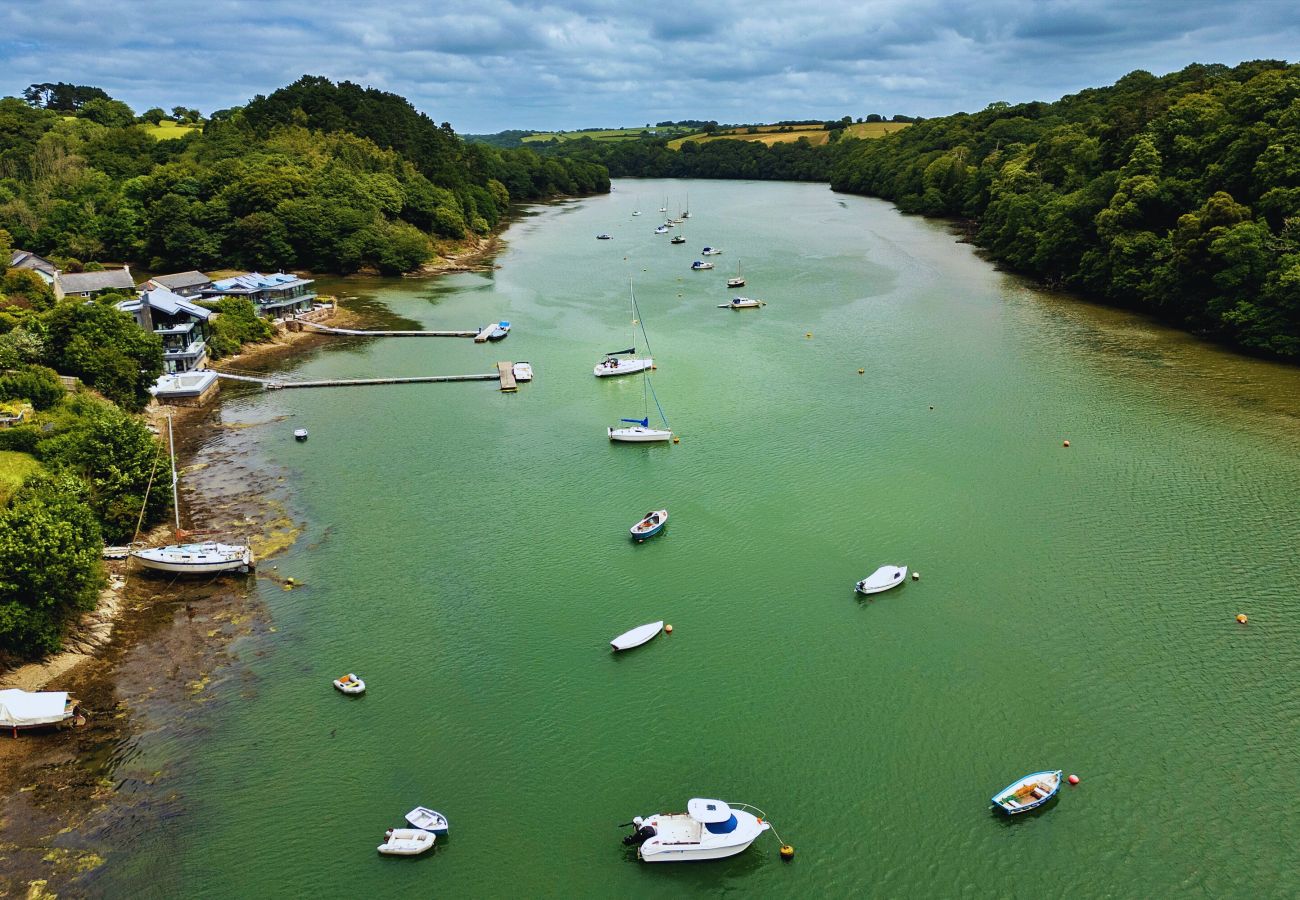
(787, 852)
(1073, 779)
(1241, 617)
(668, 629)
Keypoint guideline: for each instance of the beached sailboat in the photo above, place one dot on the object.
(615, 364)
(205, 558)
(739, 280)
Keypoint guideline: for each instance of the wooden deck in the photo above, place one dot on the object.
(507, 372)
(482, 336)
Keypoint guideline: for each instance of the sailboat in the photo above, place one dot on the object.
(613, 365)
(664, 208)
(638, 431)
(687, 213)
(207, 558)
(636, 211)
(739, 280)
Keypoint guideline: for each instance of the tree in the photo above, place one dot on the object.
(62, 96)
(153, 116)
(110, 113)
(106, 349)
(36, 384)
(49, 562)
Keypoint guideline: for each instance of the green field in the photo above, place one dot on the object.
(14, 469)
(166, 131)
(773, 134)
(607, 134)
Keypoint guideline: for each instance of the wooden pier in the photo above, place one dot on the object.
(505, 374)
(481, 336)
(330, 329)
(506, 371)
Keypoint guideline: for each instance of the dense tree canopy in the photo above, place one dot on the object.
(1178, 195)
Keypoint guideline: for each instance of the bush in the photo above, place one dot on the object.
(50, 565)
(36, 384)
(235, 324)
(106, 349)
(22, 438)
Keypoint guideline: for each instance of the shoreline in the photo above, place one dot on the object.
(148, 652)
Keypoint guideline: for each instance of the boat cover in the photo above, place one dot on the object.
(21, 708)
(708, 811)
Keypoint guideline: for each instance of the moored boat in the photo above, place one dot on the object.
(662, 229)
(710, 251)
(700, 265)
(523, 371)
(678, 239)
(612, 365)
(742, 303)
(1028, 793)
(603, 237)
(882, 579)
(20, 710)
(406, 842)
(350, 684)
(639, 433)
(651, 524)
(300, 434)
(428, 820)
(739, 280)
(499, 333)
(709, 829)
(637, 636)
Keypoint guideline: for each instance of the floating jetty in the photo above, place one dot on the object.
(356, 332)
(504, 374)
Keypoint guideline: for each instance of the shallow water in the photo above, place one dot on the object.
(466, 553)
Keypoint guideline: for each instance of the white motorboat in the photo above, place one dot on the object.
(700, 265)
(21, 709)
(640, 433)
(406, 842)
(709, 829)
(742, 303)
(882, 579)
(204, 558)
(637, 636)
(662, 229)
(612, 365)
(350, 684)
(300, 434)
(429, 820)
(523, 371)
(711, 251)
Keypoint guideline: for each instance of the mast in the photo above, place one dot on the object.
(171, 446)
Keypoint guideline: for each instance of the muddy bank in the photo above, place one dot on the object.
(475, 254)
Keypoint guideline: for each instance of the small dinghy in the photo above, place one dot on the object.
(350, 684)
(523, 371)
(700, 265)
(637, 636)
(651, 524)
(300, 434)
(882, 580)
(1028, 793)
(603, 237)
(742, 303)
(406, 842)
(429, 820)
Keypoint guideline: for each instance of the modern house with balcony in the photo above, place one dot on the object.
(278, 296)
(182, 325)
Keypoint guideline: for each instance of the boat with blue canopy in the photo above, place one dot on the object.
(700, 265)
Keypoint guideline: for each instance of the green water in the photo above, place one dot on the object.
(466, 552)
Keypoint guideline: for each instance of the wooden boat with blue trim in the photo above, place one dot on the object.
(1028, 793)
(651, 524)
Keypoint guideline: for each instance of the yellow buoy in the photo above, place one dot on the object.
(676, 440)
(668, 629)
(1241, 617)
(289, 580)
(861, 371)
(808, 334)
(787, 852)
(1065, 443)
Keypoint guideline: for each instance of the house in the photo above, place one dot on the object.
(282, 295)
(87, 284)
(187, 284)
(48, 271)
(182, 325)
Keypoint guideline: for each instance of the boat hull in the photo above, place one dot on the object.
(624, 367)
(657, 849)
(639, 435)
(735, 282)
(640, 534)
(196, 559)
(642, 634)
(1003, 802)
(882, 579)
(429, 820)
(406, 842)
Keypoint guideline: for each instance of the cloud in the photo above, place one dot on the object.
(486, 65)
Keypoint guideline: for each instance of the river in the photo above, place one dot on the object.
(466, 552)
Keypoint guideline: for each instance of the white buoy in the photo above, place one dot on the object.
(916, 576)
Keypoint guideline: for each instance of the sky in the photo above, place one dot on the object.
(490, 65)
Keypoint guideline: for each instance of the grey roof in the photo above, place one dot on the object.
(89, 282)
(181, 280)
(165, 301)
(26, 259)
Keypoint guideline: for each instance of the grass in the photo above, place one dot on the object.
(14, 469)
(769, 134)
(166, 131)
(606, 134)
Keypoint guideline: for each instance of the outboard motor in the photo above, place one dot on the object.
(640, 836)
